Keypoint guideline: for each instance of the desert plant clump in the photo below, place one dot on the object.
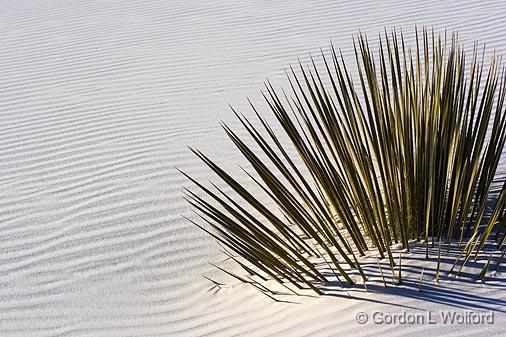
(404, 151)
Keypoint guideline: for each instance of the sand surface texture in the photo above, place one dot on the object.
(98, 103)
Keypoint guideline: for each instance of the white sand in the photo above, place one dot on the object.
(98, 102)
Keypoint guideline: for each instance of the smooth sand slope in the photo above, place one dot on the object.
(98, 101)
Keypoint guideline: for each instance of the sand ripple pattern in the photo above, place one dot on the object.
(98, 101)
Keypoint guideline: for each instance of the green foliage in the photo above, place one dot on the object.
(408, 152)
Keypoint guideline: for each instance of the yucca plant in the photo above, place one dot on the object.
(407, 151)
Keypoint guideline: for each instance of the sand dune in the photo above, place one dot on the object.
(98, 102)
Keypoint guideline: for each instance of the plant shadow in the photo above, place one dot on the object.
(464, 291)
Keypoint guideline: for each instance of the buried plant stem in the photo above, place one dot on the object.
(421, 280)
(484, 271)
(381, 272)
(500, 260)
(399, 281)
